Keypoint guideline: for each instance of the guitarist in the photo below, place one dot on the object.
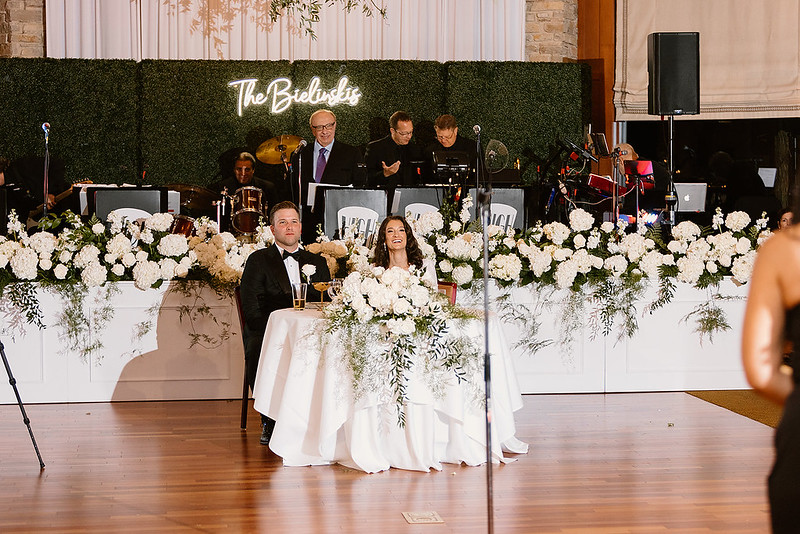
(24, 181)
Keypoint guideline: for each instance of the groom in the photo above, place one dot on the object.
(267, 286)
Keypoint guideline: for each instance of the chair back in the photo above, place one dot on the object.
(503, 215)
(131, 214)
(365, 219)
(449, 289)
(415, 210)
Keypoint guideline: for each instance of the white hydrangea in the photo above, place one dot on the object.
(159, 222)
(565, 274)
(742, 268)
(685, 231)
(561, 254)
(737, 221)
(616, 264)
(427, 223)
(607, 227)
(556, 232)
(43, 243)
(505, 267)
(462, 274)
(580, 220)
(118, 246)
(173, 245)
(145, 274)
(24, 264)
(466, 246)
(689, 269)
(650, 262)
(98, 228)
(86, 255)
(94, 274)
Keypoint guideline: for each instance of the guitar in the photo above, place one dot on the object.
(61, 196)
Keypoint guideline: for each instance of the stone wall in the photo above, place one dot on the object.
(22, 28)
(551, 30)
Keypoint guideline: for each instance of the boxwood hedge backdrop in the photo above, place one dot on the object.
(113, 120)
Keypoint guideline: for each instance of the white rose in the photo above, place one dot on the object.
(60, 271)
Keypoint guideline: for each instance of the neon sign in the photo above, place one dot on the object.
(280, 96)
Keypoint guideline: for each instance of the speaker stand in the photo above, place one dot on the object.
(671, 198)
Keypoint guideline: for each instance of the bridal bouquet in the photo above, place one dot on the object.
(389, 322)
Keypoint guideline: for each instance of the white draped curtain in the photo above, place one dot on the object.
(749, 55)
(438, 30)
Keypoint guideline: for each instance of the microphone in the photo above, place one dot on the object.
(580, 150)
(476, 129)
(46, 128)
(300, 146)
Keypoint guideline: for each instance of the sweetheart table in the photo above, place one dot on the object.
(306, 386)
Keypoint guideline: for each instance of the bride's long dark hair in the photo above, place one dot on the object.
(413, 252)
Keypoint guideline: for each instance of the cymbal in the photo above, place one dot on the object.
(195, 197)
(269, 151)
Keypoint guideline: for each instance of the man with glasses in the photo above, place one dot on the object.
(395, 160)
(448, 139)
(327, 161)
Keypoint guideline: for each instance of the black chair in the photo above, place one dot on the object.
(237, 295)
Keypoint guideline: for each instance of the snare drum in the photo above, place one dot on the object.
(182, 225)
(247, 209)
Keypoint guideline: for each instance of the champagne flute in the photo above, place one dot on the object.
(335, 287)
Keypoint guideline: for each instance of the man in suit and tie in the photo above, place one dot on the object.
(327, 161)
(266, 286)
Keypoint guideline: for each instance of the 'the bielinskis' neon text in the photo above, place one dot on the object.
(280, 95)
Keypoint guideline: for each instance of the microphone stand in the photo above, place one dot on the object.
(484, 198)
(13, 382)
(45, 179)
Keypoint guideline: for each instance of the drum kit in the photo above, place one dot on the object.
(244, 209)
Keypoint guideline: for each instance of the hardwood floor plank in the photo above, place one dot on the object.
(638, 463)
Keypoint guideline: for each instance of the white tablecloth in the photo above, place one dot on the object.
(307, 388)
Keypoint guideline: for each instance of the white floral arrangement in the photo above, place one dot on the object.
(412, 323)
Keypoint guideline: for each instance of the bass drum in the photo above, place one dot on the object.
(248, 208)
(183, 225)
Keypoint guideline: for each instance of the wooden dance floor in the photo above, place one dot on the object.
(619, 463)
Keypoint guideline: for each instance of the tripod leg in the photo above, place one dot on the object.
(13, 382)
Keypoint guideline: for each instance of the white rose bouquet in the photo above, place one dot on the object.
(412, 323)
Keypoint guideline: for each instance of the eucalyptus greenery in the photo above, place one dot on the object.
(308, 11)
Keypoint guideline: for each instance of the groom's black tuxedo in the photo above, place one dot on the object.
(265, 287)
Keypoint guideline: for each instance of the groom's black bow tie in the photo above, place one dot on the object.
(295, 255)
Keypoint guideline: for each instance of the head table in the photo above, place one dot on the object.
(306, 386)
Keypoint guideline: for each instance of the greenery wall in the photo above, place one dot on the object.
(111, 120)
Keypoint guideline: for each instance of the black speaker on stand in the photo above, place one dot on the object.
(673, 88)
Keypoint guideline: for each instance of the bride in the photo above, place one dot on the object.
(397, 247)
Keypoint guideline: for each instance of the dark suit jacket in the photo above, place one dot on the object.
(387, 151)
(265, 287)
(342, 168)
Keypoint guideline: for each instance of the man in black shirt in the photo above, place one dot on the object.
(395, 160)
(448, 140)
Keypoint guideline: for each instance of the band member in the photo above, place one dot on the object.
(395, 159)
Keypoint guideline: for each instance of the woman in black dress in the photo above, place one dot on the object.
(772, 330)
